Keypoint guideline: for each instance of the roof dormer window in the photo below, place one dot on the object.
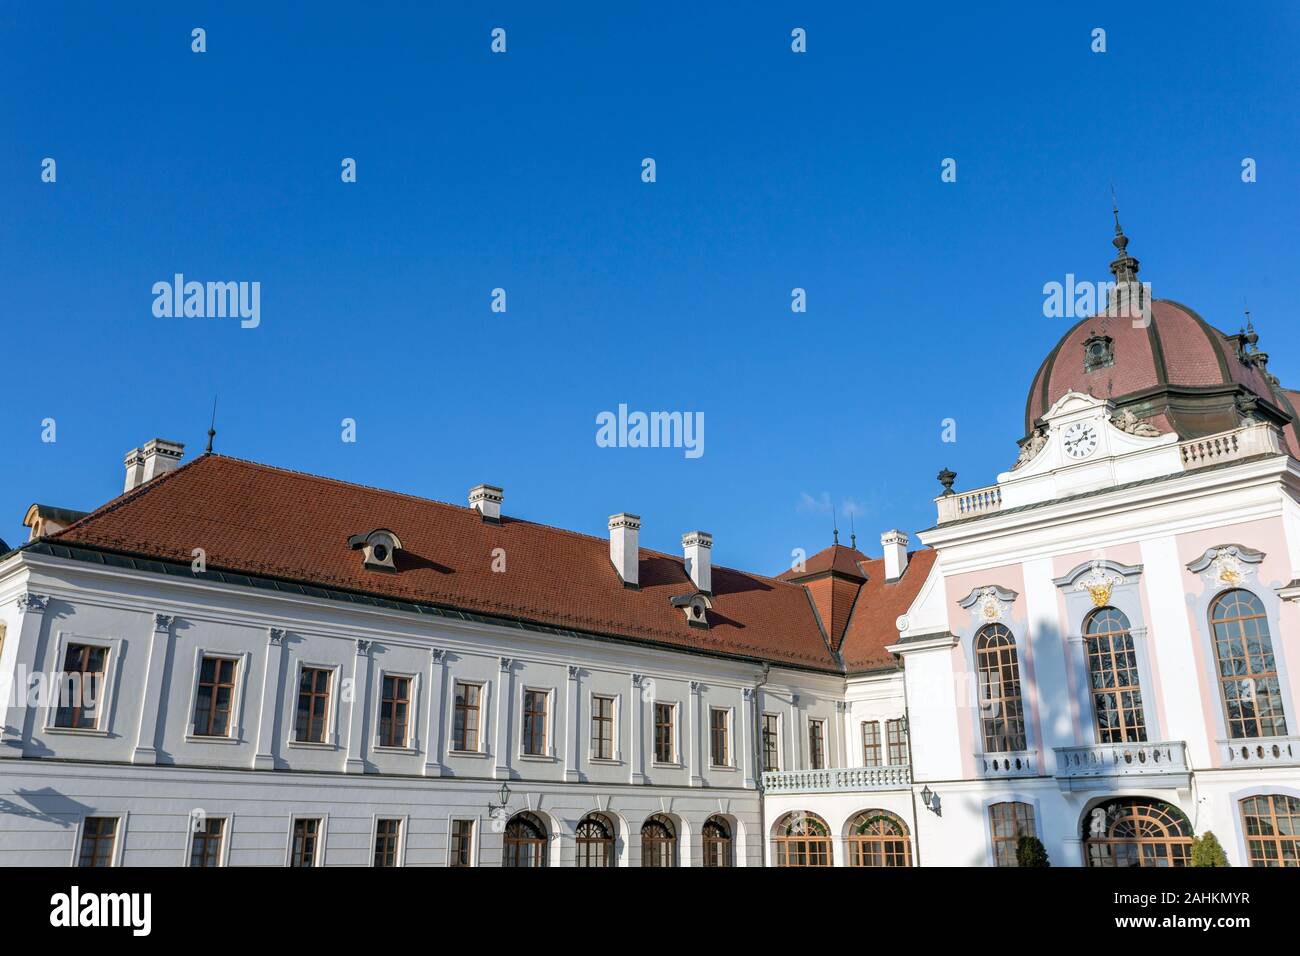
(695, 606)
(378, 549)
(1098, 352)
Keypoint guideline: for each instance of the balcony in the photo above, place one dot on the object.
(1014, 764)
(1237, 444)
(1260, 752)
(842, 780)
(1107, 766)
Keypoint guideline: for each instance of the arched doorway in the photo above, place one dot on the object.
(801, 839)
(1136, 831)
(879, 838)
(716, 839)
(594, 840)
(658, 842)
(525, 841)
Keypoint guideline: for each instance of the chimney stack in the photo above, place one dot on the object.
(624, 551)
(895, 545)
(486, 500)
(698, 547)
(158, 457)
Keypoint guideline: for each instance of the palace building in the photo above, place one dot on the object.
(238, 664)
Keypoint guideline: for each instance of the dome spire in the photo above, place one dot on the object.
(1124, 267)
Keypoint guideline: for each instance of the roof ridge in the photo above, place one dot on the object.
(339, 482)
(108, 507)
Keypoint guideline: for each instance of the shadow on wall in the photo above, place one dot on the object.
(47, 805)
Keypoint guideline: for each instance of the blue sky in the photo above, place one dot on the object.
(522, 171)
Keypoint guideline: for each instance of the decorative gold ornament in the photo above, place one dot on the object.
(1098, 583)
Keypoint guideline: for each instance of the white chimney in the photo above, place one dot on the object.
(158, 457)
(895, 545)
(486, 500)
(624, 553)
(698, 547)
(134, 469)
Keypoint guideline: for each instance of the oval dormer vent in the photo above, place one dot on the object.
(378, 549)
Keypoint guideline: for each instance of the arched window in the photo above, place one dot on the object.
(716, 837)
(1272, 824)
(1113, 673)
(1002, 713)
(1252, 699)
(658, 842)
(595, 841)
(1137, 832)
(878, 838)
(525, 841)
(802, 839)
(1008, 822)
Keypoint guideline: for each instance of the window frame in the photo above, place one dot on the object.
(1275, 839)
(547, 751)
(243, 663)
(104, 720)
(119, 836)
(1008, 800)
(592, 753)
(411, 738)
(868, 745)
(904, 741)
(399, 840)
(817, 754)
(724, 847)
(472, 849)
(1013, 720)
(1131, 733)
(1254, 677)
(231, 716)
(674, 755)
(860, 847)
(728, 757)
(609, 844)
(776, 741)
(223, 851)
(329, 721)
(480, 709)
(322, 828)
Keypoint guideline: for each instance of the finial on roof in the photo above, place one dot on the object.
(1124, 267)
(946, 478)
(853, 534)
(835, 524)
(212, 428)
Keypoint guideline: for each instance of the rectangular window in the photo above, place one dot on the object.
(464, 725)
(535, 722)
(816, 745)
(386, 837)
(602, 728)
(771, 742)
(719, 748)
(394, 711)
(313, 704)
(205, 845)
(80, 685)
(215, 696)
(462, 843)
(306, 834)
(98, 837)
(871, 743)
(896, 737)
(664, 732)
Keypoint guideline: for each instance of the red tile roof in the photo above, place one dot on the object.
(256, 519)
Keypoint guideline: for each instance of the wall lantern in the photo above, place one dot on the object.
(931, 801)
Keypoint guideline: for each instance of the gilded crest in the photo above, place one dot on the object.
(1098, 582)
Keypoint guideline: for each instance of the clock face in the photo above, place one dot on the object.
(1080, 440)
